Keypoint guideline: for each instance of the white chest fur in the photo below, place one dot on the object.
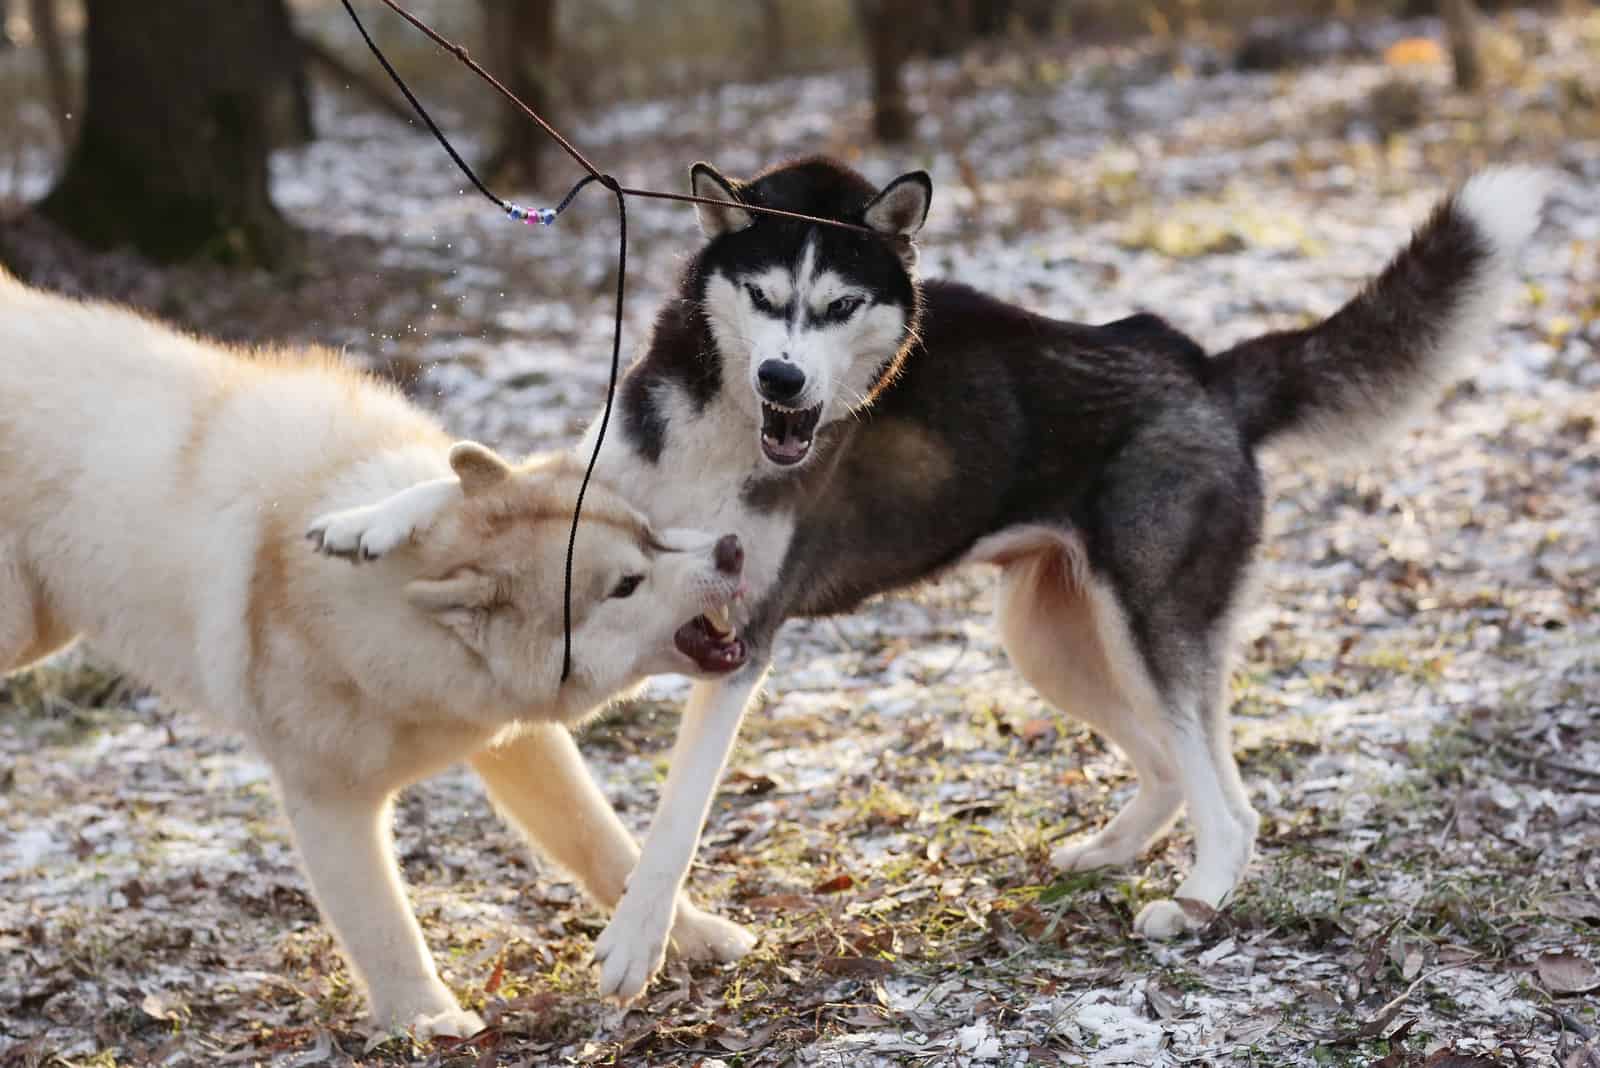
(707, 458)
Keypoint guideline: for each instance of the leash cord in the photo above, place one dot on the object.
(547, 216)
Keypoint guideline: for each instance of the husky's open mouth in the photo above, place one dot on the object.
(709, 640)
(786, 432)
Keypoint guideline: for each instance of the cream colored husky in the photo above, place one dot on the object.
(156, 492)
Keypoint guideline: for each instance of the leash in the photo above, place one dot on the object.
(546, 217)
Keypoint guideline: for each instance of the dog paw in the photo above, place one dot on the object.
(698, 935)
(452, 1023)
(1088, 854)
(633, 946)
(357, 534)
(1163, 920)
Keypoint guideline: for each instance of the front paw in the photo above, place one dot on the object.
(698, 935)
(356, 534)
(452, 1023)
(633, 946)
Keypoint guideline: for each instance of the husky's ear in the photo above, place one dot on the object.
(716, 220)
(460, 601)
(479, 468)
(902, 207)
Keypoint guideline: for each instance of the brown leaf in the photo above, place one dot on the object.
(781, 902)
(1034, 729)
(1165, 1003)
(735, 1040)
(1567, 973)
(856, 967)
(1449, 1058)
(155, 1007)
(497, 976)
(834, 885)
(1196, 910)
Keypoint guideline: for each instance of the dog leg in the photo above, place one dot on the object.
(539, 781)
(370, 532)
(1067, 638)
(28, 631)
(1224, 822)
(345, 843)
(16, 611)
(631, 948)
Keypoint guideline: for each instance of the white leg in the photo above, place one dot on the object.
(369, 532)
(1141, 821)
(1067, 638)
(539, 781)
(633, 945)
(345, 843)
(1224, 823)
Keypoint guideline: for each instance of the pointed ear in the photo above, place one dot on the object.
(902, 207)
(460, 601)
(477, 467)
(715, 220)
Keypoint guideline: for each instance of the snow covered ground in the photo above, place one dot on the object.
(1418, 704)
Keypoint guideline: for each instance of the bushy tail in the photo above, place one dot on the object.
(1356, 372)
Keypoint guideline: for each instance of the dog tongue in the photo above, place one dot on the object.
(787, 435)
(791, 446)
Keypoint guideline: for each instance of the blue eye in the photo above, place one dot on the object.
(844, 307)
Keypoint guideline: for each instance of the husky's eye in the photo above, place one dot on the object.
(628, 584)
(844, 307)
(758, 298)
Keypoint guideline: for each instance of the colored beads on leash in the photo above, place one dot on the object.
(542, 216)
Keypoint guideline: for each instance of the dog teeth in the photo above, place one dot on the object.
(721, 621)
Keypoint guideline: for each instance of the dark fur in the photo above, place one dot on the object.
(1125, 433)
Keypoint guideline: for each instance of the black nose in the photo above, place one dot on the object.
(729, 554)
(780, 381)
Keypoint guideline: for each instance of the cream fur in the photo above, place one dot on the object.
(156, 492)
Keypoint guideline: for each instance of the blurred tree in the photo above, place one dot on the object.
(774, 48)
(1466, 47)
(47, 36)
(185, 98)
(889, 28)
(521, 37)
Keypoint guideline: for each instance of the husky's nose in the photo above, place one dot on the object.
(729, 555)
(780, 381)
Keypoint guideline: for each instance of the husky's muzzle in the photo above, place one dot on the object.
(709, 639)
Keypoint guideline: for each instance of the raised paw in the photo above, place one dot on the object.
(357, 534)
(1089, 853)
(698, 935)
(633, 946)
(1166, 919)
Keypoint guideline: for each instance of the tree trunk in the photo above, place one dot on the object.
(521, 37)
(773, 48)
(47, 36)
(889, 26)
(1466, 51)
(184, 100)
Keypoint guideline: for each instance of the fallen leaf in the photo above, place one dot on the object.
(497, 976)
(156, 1008)
(1414, 52)
(1567, 973)
(1165, 1004)
(1449, 1058)
(781, 902)
(855, 967)
(834, 885)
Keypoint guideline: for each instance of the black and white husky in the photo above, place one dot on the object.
(861, 431)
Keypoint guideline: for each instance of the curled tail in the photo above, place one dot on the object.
(1358, 371)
